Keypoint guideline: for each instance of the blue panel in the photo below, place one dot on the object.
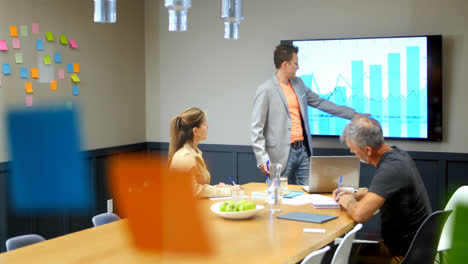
(47, 167)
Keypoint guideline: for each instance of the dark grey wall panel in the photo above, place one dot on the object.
(442, 174)
(429, 170)
(457, 172)
(247, 168)
(221, 165)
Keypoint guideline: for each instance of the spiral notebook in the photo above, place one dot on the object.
(323, 202)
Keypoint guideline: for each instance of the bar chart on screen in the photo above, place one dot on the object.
(386, 77)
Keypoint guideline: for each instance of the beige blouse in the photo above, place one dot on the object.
(187, 158)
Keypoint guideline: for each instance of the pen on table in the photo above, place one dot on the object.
(233, 183)
(266, 175)
(339, 185)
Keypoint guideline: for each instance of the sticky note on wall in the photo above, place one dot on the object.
(69, 68)
(58, 58)
(61, 74)
(28, 88)
(49, 36)
(75, 90)
(24, 30)
(24, 72)
(34, 73)
(47, 60)
(73, 44)
(19, 58)
(39, 44)
(3, 45)
(76, 67)
(63, 40)
(13, 31)
(6, 69)
(35, 28)
(16, 43)
(75, 78)
(29, 101)
(53, 85)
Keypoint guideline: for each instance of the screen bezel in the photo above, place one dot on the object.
(434, 84)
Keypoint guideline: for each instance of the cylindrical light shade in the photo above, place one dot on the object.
(178, 10)
(231, 13)
(105, 11)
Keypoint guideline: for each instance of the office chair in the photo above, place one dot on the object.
(22, 241)
(423, 248)
(341, 255)
(316, 256)
(460, 196)
(104, 218)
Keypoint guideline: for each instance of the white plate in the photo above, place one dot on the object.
(235, 215)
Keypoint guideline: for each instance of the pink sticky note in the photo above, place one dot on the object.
(3, 45)
(16, 43)
(29, 101)
(61, 73)
(0, 81)
(73, 44)
(35, 28)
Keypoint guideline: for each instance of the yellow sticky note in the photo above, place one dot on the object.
(53, 85)
(49, 36)
(75, 78)
(13, 31)
(63, 40)
(34, 73)
(47, 60)
(76, 67)
(28, 88)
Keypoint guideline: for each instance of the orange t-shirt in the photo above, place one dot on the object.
(293, 105)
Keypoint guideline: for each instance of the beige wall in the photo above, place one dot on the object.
(111, 57)
(200, 68)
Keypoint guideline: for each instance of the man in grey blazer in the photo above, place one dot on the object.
(280, 131)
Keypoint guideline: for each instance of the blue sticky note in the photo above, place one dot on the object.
(58, 58)
(24, 72)
(70, 68)
(75, 90)
(39, 44)
(6, 69)
(47, 168)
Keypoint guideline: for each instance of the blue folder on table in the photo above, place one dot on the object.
(292, 194)
(307, 217)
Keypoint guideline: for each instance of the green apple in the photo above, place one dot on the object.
(231, 207)
(251, 206)
(223, 207)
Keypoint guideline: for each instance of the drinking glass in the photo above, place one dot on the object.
(275, 191)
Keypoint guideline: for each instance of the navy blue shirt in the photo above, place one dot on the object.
(406, 201)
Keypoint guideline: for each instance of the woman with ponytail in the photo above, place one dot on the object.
(188, 129)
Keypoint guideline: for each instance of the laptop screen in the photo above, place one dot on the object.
(325, 172)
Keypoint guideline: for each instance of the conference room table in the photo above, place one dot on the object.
(261, 239)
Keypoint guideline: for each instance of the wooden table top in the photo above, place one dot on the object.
(261, 239)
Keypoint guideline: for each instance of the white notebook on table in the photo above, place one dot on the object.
(323, 202)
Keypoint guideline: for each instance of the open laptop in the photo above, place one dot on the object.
(325, 173)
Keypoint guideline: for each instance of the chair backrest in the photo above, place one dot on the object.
(423, 248)
(105, 218)
(459, 197)
(316, 256)
(341, 255)
(22, 241)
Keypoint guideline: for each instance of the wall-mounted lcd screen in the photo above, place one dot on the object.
(398, 80)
